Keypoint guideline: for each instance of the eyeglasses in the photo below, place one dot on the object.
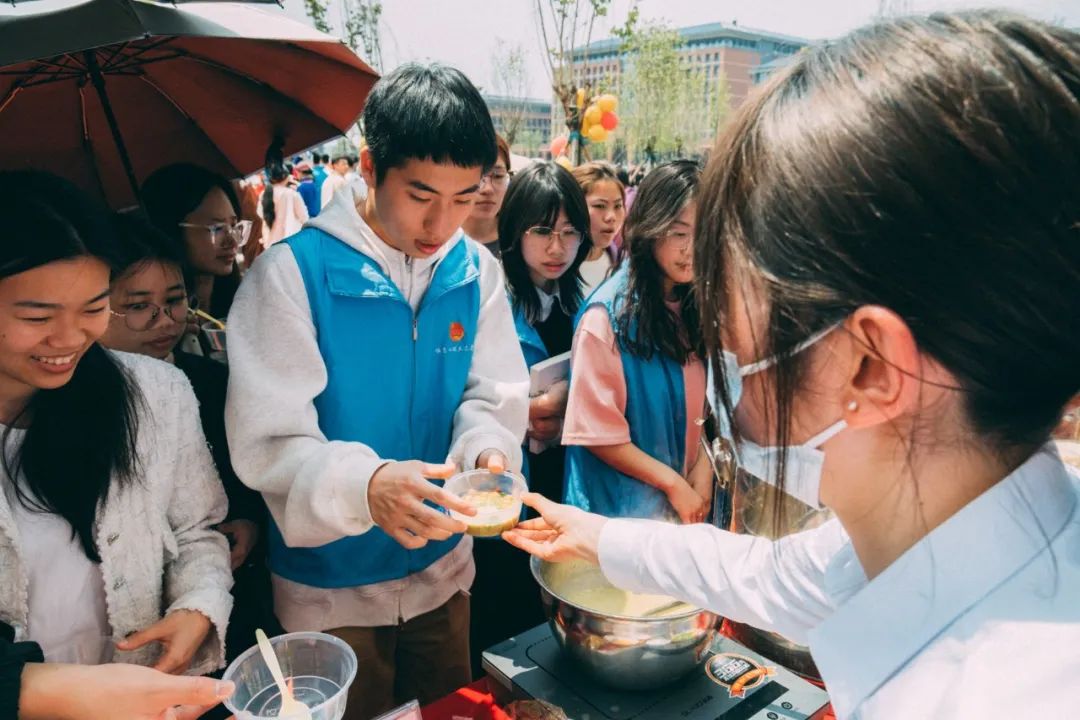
(570, 237)
(221, 232)
(497, 178)
(140, 317)
(679, 237)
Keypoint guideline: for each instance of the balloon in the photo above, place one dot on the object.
(558, 145)
(607, 103)
(597, 133)
(565, 162)
(581, 98)
(593, 114)
(609, 120)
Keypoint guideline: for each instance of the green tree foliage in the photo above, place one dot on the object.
(316, 10)
(669, 107)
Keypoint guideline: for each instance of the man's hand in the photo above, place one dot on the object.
(396, 496)
(493, 461)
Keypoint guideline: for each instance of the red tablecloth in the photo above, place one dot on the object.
(472, 701)
(476, 701)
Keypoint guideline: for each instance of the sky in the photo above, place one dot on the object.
(466, 33)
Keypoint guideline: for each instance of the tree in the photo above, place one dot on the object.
(510, 79)
(669, 107)
(566, 28)
(360, 18)
(893, 8)
(316, 10)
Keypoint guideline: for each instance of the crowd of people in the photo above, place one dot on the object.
(869, 295)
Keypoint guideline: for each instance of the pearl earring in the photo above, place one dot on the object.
(853, 406)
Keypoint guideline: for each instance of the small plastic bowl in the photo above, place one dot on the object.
(482, 485)
(320, 666)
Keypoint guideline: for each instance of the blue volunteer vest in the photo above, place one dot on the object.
(394, 381)
(656, 413)
(532, 346)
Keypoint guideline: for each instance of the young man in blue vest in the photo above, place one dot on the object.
(371, 351)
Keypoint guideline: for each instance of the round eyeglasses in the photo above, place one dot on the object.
(569, 236)
(497, 178)
(221, 233)
(140, 317)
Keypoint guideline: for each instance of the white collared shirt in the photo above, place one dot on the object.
(980, 619)
(547, 302)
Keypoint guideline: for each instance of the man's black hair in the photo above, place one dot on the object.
(428, 112)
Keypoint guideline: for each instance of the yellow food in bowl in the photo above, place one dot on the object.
(496, 512)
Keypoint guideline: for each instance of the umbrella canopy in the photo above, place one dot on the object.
(104, 92)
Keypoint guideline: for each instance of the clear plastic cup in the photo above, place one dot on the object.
(321, 667)
(496, 497)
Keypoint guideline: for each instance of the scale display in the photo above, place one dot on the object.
(733, 684)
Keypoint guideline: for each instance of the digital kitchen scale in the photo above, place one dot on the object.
(733, 684)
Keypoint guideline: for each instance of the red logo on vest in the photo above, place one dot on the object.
(457, 331)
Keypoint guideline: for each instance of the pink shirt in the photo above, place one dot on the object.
(596, 404)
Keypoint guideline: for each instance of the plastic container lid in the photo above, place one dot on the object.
(496, 496)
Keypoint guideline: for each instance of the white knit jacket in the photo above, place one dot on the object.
(158, 551)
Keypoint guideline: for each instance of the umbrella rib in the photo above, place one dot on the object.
(133, 58)
(117, 51)
(143, 63)
(42, 67)
(161, 91)
(10, 96)
(87, 145)
(286, 99)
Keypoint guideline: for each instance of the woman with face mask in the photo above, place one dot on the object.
(889, 261)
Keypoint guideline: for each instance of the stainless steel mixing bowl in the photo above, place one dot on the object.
(624, 652)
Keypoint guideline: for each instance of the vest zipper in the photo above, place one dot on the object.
(408, 296)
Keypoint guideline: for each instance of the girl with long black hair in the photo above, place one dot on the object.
(109, 492)
(199, 211)
(637, 390)
(544, 236)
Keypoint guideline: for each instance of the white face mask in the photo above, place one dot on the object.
(804, 463)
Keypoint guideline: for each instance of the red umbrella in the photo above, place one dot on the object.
(107, 91)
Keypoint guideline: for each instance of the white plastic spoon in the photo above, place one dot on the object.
(290, 706)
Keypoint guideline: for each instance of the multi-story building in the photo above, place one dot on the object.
(532, 119)
(732, 51)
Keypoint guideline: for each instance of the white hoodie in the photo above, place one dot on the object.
(316, 489)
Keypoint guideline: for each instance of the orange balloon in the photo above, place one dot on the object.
(609, 120)
(558, 145)
(597, 133)
(607, 103)
(593, 115)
